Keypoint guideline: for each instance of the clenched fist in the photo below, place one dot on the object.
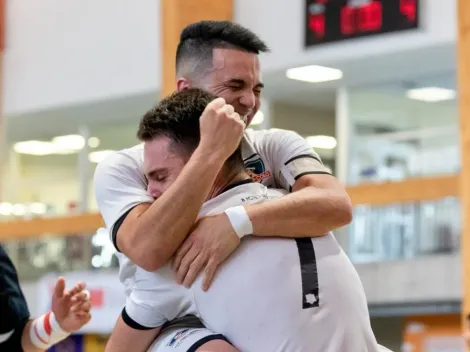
(221, 129)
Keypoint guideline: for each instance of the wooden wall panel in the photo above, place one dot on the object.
(463, 72)
(177, 14)
(413, 190)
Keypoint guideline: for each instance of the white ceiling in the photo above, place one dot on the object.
(377, 84)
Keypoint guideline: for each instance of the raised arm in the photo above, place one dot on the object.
(317, 205)
(149, 231)
(318, 202)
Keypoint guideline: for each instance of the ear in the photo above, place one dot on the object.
(182, 84)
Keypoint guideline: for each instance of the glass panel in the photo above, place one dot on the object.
(35, 257)
(38, 181)
(394, 137)
(403, 231)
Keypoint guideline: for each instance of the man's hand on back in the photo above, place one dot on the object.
(211, 241)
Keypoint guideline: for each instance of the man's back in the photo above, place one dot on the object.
(257, 297)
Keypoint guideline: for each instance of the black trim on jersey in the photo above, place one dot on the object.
(236, 184)
(132, 323)
(312, 173)
(188, 321)
(202, 341)
(116, 227)
(309, 173)
(308, 272)
(251, 156)
(303, 156)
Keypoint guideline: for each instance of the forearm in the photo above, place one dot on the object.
(26, 342)
(160, 230)
(124, 338)
(309, 212)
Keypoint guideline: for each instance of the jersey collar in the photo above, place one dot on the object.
(236, 184)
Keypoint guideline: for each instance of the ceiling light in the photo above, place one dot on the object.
(6, 209)
(431, 94)
(322, 142)
(93, 142)
(314, 74)
(34, 148)
(98, 156)
(69, 142)
(18, 209)
(258, 119)
(37, 208)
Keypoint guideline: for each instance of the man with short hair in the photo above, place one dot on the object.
(149, 227)
(273, 294)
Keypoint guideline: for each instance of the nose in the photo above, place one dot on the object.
(153, 190)
(248, 100)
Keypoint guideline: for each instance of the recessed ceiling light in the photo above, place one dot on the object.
(98, 156)
(322, 142)
(6, 208)
(93, 142)
(314, 74)
(34, 148)
(431, 94)
(258, 119)
(69, 142)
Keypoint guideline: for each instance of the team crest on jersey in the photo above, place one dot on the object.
(178, 338)
(256, 168)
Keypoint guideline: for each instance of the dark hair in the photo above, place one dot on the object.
(198, 40)
(177, 117)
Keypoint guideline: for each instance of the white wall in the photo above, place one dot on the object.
(432, 278)
(75, 51)
(62, 53)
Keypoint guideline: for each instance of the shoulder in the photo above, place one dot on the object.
(123, 162)
(120, 169)
(276, 192)
(121, 159)
(272, 135)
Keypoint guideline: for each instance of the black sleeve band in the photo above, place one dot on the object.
(132, 323)
(116, 227)
(206, 339)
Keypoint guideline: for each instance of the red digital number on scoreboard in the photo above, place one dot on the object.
(365, 18)
(316, 23)
(408, 9)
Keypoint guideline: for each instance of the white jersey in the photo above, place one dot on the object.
(272, 294)
(276, 158)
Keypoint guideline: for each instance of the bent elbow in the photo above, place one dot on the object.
(345, 211)
(147, 257)
(149, 263)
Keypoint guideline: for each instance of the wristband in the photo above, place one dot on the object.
(240, 221)
(45, 331)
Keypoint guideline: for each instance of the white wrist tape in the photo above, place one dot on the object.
(240, 221)
(45, 331)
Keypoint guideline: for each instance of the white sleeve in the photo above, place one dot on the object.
(119, 186)
(142, 305)
(290, 156)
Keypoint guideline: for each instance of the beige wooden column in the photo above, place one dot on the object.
(463, 73)
(174, 16)
(3, 127)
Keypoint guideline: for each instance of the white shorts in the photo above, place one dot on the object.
(183, 340)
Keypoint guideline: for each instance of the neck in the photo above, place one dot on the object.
(225, 179)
